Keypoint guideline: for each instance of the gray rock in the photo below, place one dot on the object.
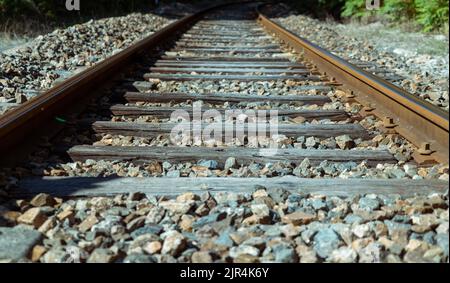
(188, 253)
(361, 230)
(292, 207)
(396, 248)
(442, 228)
(155, 215)
(136, 223)
(244, 250)
(442, 241)
(295, 198)
(396, 173)
(230, 163)
(388, 200)
(240, 236)
(395, 226)
(16, 243)
(147, 229)
(410, 169)
(290, 230)
(165, 259)
(343, 255)
(173, 174)
(302, 170)
(344, 142)
(91, 235)
(202, 257)
(210, 164)
(318, 204)
(209, 219)
(105, 225)
(285, 254)
(369, 204)
(56, 255)
(260, 210)
(344, 231)
(119, 211)
(429, 237)
(139, 258)
(225, 240)
(166, 165)
(254, 168)
(370, 254)
(273, 231)
(278, 194)
(174, 243)
(325, 242)
(101, 256)
(305, 164)
(42, 200)
(307, 235)
(176, 207)
(311, 142)
(257, 242)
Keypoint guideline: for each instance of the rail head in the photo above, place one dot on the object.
(421, 122)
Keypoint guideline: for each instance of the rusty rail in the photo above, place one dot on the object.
(423, 124)
(19, 126)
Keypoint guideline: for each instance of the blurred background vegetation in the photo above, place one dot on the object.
(53, 9)
(32, 17)
(429, 15)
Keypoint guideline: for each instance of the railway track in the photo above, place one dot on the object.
(304, 113)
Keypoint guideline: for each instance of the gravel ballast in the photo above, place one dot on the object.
(266, 226)
(263, 226)
(35, 67)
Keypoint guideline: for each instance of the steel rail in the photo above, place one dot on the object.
(423, 124)
(35, 116)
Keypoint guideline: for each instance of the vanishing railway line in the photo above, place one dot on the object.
(221, 61)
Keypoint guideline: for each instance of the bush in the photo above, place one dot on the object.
(430, 14)
(396, 10)
(354, 9)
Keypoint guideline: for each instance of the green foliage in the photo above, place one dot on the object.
(430, 14)
(354, 8)
(398, 9)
